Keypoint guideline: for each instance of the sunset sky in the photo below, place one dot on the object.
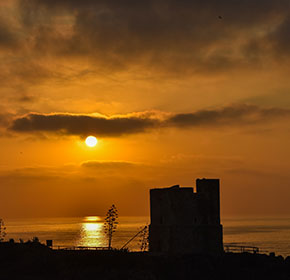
(173, 90)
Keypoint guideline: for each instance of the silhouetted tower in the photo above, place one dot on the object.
(184, 221)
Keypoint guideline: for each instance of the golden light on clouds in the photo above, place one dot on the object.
(91, 141)
(216, 104)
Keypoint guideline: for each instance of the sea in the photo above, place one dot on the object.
(270, 234)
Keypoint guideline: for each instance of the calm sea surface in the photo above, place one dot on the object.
(269, 234)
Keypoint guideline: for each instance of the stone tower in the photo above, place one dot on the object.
(184, 221)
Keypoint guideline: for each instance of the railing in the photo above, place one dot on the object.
(79, 248)
(234, 248)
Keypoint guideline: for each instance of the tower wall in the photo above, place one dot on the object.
(209, 192)
(183, 221)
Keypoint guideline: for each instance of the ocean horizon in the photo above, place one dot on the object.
(270, 234)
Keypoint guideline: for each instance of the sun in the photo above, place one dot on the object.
(91, 141)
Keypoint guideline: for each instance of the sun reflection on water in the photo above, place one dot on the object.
(92, 234)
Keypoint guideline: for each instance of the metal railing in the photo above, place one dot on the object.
(234, 248)
(79, 248)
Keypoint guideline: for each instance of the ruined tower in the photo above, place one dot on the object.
(184, 221)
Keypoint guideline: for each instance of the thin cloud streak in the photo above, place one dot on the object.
(101, 164)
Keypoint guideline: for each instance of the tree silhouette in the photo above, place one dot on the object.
(110, 224)
(2, 230)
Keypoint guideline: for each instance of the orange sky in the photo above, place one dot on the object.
(172, 92)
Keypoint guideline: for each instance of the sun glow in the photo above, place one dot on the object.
(91, 141)
(92, 219)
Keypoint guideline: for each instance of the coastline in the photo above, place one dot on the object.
(36, 261)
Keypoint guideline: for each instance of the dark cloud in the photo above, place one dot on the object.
(82, 125)
(177, 36)
(26, 98)
(8, 39)
(232, 115)
(280, 38)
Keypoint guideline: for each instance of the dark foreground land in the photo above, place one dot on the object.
(35, 261)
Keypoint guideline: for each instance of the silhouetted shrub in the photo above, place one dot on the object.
(2, 230)
(35, 239)
(110, 224)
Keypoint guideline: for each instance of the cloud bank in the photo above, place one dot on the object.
(83, 125)
(177, 37)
